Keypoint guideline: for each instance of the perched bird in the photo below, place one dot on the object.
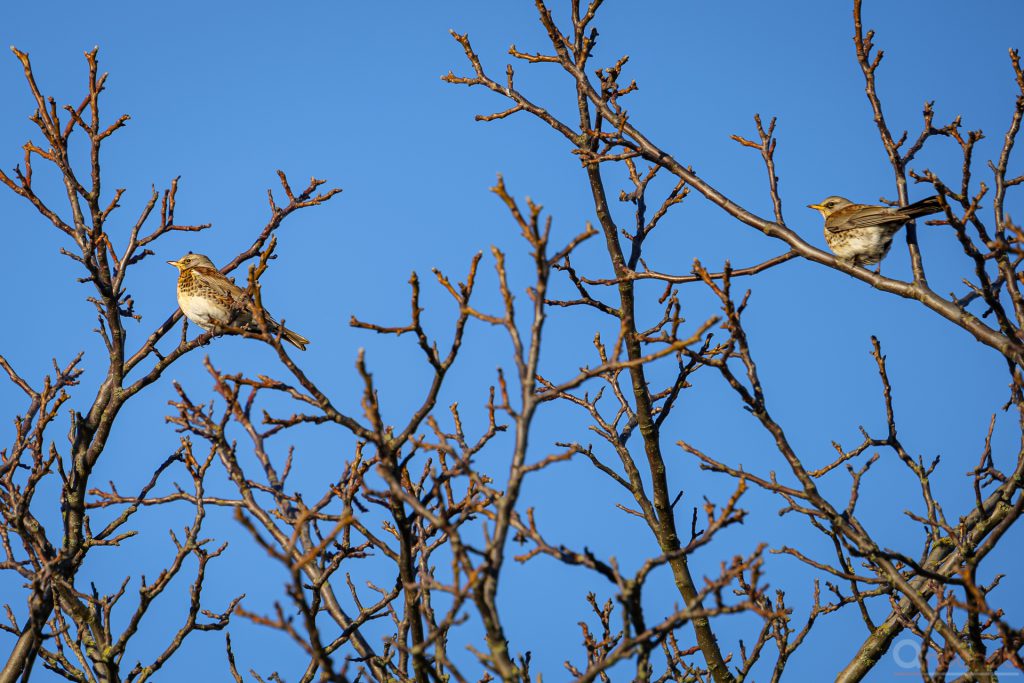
(861, 234)
(210, 300)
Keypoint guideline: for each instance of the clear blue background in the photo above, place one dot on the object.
(225, 93)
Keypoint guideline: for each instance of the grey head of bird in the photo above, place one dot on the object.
(830, 205)
(191, 260)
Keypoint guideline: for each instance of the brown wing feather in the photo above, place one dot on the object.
(861, 216)
(866, 216)
(218, 282)
(224, 288)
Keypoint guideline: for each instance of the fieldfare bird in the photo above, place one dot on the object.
(212, 301)
(861, 234)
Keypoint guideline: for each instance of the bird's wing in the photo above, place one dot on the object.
(232, 295)
(220, 285)
(862, 216)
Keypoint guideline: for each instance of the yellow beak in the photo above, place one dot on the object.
(819, 207)
(175, 264)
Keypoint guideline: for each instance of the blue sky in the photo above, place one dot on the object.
(225, 94)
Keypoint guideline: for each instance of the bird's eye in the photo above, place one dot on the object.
(830, 204)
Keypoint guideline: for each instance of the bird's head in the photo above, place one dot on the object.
(191, 260)
(830, 205)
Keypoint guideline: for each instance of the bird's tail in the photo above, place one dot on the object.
(925, 207)
(294, 338)
(274, 327)
(290, 336)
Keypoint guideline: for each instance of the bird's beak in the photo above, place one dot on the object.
(175, 264)
(815, 206)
